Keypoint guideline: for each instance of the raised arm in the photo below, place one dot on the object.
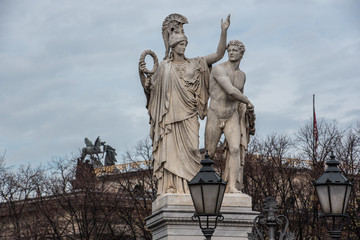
(214, 57)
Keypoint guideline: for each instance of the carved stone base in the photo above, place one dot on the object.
(171, 218)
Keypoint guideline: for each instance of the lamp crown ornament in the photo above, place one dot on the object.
(332, 164)
(207, 167)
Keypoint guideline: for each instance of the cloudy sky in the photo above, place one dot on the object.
(68, 69)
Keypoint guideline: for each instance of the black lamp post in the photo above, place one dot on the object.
(333, 190)
(207, 192)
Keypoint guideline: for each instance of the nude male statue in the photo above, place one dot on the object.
(231, 113)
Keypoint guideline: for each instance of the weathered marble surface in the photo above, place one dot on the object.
(177, 95)
(171, 218)
(230, 113)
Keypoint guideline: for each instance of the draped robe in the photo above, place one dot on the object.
(178, 97)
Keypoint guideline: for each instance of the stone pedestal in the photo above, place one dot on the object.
(171, 218)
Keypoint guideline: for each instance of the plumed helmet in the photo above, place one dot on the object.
(175, 38)
(172, 24)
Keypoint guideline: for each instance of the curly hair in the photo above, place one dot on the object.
(238, 44)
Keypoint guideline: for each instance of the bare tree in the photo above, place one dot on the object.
(285, 168)
(17, 190)
(139, 188)
(347, 151)
(329, 135)
(111, 206)
(74, 201)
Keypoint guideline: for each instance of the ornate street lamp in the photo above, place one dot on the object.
(207, 192)
(333, 190)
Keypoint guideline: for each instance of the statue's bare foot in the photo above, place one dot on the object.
(233, 190)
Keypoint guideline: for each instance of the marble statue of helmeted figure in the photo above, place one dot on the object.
(177, 95)
(230, 112)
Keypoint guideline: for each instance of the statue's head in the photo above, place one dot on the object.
(178, 43)
(236, 50)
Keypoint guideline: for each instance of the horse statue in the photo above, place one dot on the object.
(92, 149)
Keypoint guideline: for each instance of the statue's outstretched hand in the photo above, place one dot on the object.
(225, 25)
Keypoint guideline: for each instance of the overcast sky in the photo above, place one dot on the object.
(68, 69)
